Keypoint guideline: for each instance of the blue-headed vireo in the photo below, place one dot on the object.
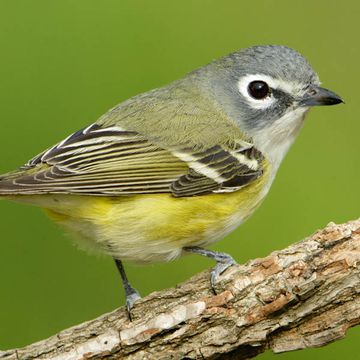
(177, 168)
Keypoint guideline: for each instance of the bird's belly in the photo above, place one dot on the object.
(151, 228)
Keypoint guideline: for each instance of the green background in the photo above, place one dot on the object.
(63, 63)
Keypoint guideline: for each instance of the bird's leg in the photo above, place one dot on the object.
(130, 293)
(223, 261)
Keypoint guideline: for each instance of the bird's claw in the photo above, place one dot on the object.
(224, 261)
(131, 297)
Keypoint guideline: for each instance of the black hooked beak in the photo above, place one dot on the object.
(320, 96)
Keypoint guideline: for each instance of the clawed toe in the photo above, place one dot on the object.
(131, 298)
(223, 261)
(219, 268)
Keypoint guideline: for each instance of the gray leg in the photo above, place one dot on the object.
(223, 261)
(130, 293)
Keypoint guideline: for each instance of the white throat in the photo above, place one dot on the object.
(274, 141)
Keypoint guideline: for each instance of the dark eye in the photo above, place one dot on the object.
(258, 90)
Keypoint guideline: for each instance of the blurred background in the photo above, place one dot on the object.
(64, 63)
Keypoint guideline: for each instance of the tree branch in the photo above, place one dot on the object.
(306, 295)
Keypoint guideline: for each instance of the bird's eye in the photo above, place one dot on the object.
(259, 89)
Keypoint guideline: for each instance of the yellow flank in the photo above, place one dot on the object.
(148, 228)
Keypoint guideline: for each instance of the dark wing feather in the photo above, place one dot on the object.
(112, 161)
(218, 169)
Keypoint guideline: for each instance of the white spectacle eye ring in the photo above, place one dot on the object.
(287, 87)
(248, 82)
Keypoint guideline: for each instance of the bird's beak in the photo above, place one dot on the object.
(320, 96)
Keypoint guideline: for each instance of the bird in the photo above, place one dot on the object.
(173, 170)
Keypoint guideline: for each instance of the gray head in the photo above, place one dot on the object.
(259, 85)
(266, 90)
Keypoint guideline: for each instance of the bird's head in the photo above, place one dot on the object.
(266, 90)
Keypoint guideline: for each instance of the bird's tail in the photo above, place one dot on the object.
(11, 190)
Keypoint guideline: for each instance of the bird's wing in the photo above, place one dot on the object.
(112, 161)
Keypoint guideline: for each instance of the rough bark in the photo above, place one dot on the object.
(306, 295)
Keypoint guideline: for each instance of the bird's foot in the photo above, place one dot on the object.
(132, 296)
(223, 261)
